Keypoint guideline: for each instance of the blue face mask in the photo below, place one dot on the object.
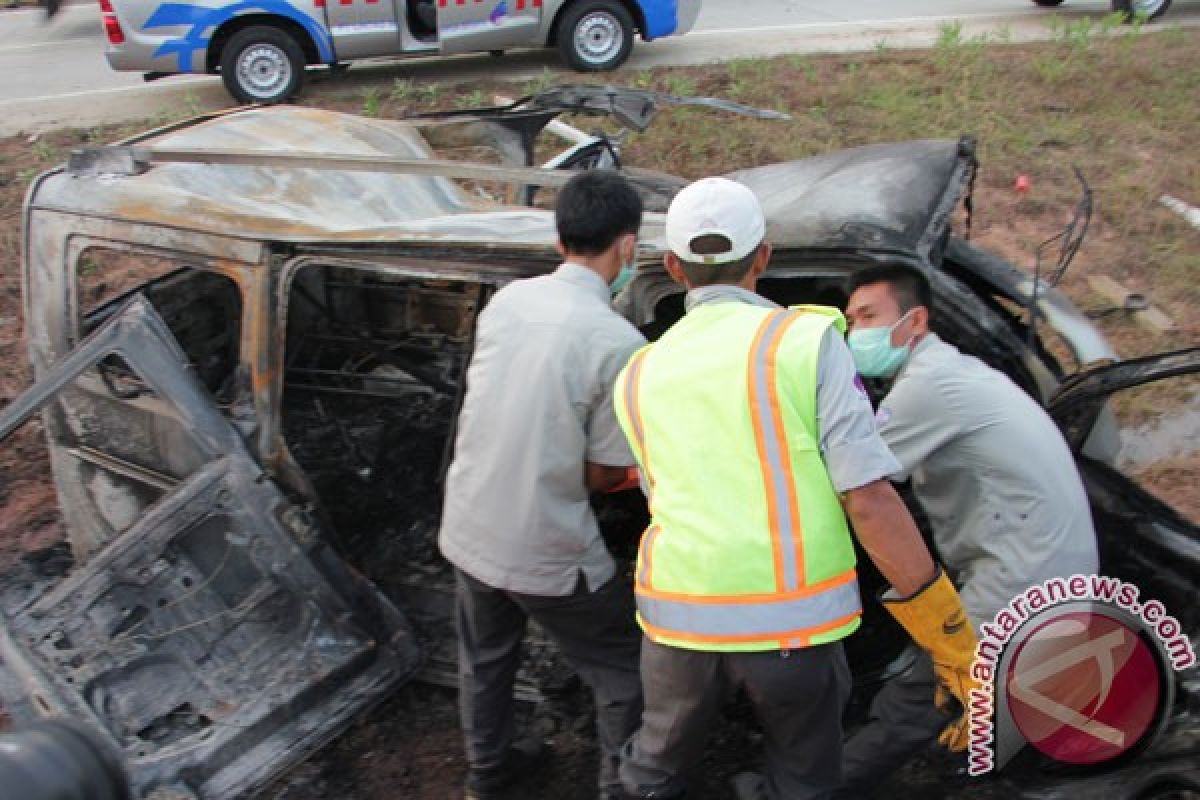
(874, 354)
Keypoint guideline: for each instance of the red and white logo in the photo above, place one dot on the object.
(1084, 687)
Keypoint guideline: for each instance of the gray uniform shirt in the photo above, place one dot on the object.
(850, 445)
(990, 468)
(538, 405)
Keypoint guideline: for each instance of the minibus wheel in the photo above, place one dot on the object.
(595, 35)
(262, 64)
(1141, 9)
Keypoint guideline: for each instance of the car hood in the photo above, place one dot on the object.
(894, 197)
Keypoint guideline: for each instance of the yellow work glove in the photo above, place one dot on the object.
(934, 617)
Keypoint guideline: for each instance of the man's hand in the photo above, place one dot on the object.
(937, 622)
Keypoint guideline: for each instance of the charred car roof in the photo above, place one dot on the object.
(301, 175)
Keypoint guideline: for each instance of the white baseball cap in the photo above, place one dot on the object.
(715, 207)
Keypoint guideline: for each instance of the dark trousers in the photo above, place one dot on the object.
(798, 696)
(597, 634)
(902, 721)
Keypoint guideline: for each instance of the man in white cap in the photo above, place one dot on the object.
(755, 442)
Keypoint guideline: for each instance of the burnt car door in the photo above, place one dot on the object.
(217, 640)
(1140, 536)
(477, 26)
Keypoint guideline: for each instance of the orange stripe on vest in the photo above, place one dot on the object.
(749, 599)
(786, 639)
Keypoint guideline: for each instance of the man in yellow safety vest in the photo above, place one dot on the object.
(756, 441)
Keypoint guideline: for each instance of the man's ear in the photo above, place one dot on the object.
(633, 248)
(761, 259)
(675, 269)
(920, 320)
(562, 250)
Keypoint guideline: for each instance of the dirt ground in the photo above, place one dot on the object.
(410, 746)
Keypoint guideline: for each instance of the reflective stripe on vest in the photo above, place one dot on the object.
(634, 413)
(753, 617)
(783, 509)
(633, 409)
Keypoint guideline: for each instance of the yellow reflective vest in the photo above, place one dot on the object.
(747, 547)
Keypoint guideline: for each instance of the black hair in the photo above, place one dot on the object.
(909, 287)
(701, 274)
(594, 209)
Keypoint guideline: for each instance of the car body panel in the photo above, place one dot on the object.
(467, 27)
(216, 640)
(886, 197)
(1080, 400)
(362, 30)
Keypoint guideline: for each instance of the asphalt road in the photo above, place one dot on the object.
(55, 73)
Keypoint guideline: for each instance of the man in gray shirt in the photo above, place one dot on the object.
(989, 467)
(536, 434)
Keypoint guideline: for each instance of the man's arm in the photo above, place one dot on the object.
(887, 532)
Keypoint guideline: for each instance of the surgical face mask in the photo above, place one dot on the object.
(874, 354)
(623, 277)
(626, 273)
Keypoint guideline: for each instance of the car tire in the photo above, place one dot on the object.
(1048, 3)
(595, 35)
(262, 64)
(1150, 9)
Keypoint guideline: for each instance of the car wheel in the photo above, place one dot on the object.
(1048, 3)
(1143, 9)
(595, 35)
(262, 65)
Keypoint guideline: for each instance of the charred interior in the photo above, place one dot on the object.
(374, 367)
(203, 309)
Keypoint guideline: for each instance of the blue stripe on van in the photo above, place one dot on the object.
(205, 20)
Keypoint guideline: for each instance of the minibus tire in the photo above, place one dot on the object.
(595, 22)
(1149, 9)
(262, 64)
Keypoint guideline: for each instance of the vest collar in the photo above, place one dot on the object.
(724, 293)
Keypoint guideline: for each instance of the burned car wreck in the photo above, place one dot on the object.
(249, 333)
